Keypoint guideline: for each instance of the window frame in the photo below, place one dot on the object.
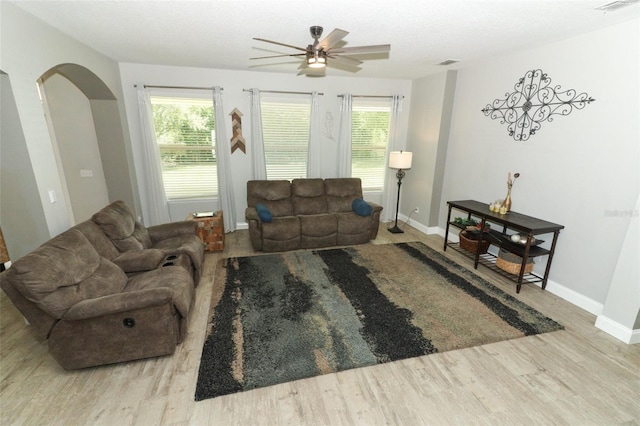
(384, 105)
(282, 150)
(208, 174)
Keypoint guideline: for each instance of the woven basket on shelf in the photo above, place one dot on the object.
(511, 263)
(472, 245)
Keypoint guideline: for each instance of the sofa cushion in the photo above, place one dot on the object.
(351, 223)
(275, 194)
(308, 196)
(341, 192)
(141, 234)
(117, 220)
(264, 213)
(127, 244)
(320, 225)
(282, 228)
(98, 239)
(108, 279)
(139, 260)
(175, 278)
(361, 207)
(63, 271)
(353, 229)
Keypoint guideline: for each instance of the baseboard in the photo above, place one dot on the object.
(618, 330)
(414, 224)
(575, 298)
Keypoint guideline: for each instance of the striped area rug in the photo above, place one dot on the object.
(287, 316)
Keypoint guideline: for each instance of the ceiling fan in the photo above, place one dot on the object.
(325, 52)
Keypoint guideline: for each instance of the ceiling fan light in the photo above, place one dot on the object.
(317, 62)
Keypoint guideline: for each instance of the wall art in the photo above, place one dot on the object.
(237, 140)
(327, 126)
(533, 102)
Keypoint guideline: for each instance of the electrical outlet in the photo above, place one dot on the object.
(417, 210)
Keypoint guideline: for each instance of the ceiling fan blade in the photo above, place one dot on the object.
(280, 44)
(332, 38)
(278, 56)
(343, 60)
(355, 50)
(312, 72)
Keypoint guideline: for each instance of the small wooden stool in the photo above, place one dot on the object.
(210, 229)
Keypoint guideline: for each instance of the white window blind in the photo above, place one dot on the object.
(186, 138)
(369, 139)
(285, 128)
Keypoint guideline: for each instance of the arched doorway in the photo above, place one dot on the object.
(84, 124)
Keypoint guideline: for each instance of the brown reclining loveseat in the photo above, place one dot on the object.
(109, 290)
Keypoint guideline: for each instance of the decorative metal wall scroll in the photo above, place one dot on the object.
(327, 126)
(237, 140)
(532, 102)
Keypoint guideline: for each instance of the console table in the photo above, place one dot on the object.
(523, 224)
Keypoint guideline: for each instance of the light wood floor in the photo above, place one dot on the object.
(578, 376)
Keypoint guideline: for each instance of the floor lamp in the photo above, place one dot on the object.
(400, 160)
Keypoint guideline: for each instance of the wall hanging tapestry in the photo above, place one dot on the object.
(532, 102)
(282, 317)
(237, 140)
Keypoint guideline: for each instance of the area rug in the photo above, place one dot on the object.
(287, 316)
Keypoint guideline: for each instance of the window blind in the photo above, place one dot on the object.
(369, 139)
(186, 139)
(285, 127)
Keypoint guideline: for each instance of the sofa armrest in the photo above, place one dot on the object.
(139, 260)
(174, 229)
(120, 302)
(251, 213)
(375, 207)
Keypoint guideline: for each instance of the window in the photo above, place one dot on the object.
(285, 129)
(186, 138)
(369, 137)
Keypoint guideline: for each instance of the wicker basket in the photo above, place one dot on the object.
(511, 263)
(472, 245)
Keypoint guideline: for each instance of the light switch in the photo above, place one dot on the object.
(52, 196)
(86, 173)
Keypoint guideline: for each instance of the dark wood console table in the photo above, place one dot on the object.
(525, 225)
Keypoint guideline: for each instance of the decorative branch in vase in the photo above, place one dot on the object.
(507, 201)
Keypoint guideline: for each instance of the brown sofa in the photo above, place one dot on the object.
(308, 213)
(109, 290)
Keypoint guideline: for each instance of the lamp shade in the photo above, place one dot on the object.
(400, 159)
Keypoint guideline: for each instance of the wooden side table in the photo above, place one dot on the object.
(210, 230)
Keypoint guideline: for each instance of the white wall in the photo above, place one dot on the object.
(75, 134)
(621, 313)
(578, 170)
(429, 123)
(21, 212)
(29, 49)
(233, 83)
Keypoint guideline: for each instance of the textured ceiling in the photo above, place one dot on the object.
(422, 33)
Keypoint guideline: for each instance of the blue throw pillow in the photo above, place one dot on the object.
(263, 213)
(361, 207)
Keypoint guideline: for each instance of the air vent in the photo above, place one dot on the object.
(449, 62)
(615, 5)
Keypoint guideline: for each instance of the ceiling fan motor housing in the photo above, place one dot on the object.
(316, 31)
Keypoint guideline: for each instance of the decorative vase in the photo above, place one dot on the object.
(507, 201)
